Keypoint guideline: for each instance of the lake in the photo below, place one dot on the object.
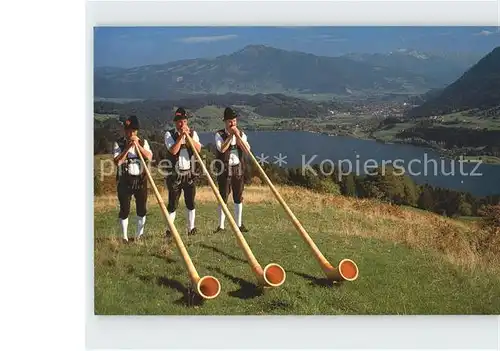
(300, 149)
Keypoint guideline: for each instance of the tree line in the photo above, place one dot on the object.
(454, 137)
(270, 105)
(388, 187)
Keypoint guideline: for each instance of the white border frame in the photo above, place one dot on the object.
(293, 13)
(362, 332)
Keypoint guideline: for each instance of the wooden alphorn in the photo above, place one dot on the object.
(207, 287)
(273, 275)
(346, 270)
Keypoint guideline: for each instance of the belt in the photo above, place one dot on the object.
(234, 170)
(134, 182)
(128, 176)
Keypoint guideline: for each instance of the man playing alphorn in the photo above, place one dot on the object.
(231, 167)
(131, 177)
(182, 175)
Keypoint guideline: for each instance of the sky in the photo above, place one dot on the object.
(136, 46)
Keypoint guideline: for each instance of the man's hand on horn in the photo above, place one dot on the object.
(234, 130)
(135, 139)
(185, 131)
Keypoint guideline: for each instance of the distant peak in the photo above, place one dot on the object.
(254, 49)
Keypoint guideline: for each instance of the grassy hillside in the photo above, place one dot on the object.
(411, 262)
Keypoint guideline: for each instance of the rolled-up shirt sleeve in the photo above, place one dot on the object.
(146, 145)
(244, 138)
(116, 150)
(196, 137)
(169, 140)
(218, 141)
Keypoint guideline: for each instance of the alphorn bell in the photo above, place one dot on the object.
(346, 270)
(207, 287)
(273, 275)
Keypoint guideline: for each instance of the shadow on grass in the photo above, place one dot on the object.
(278, 305)
(165, 258)
(110, 240)
(115, 241)
(317, 281)
(189, 296)
(231, 257)
(247, 289)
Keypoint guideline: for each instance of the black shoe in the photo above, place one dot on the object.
(219, 229)
(243, 229)
(168, 234)
(192, 231)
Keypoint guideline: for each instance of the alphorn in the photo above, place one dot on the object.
(207, 287)
(273, 275)
(346, 270)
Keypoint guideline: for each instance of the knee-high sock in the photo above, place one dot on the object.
(238, 211)
(172, 216)
(124, 226)
(140, 225)
(191, 217)
(222, 217)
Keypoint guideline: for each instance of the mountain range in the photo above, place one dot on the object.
(442, 68)
(477, 88)
(263, 69)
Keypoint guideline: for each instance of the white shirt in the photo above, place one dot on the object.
(134, 165)
(234, 158)
(184, 163)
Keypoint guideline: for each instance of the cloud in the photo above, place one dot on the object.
(486, 33)
(207, 39)
(326, 38)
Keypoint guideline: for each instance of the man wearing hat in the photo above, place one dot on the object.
(131, 176)
(231, 166)
(181, 176)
